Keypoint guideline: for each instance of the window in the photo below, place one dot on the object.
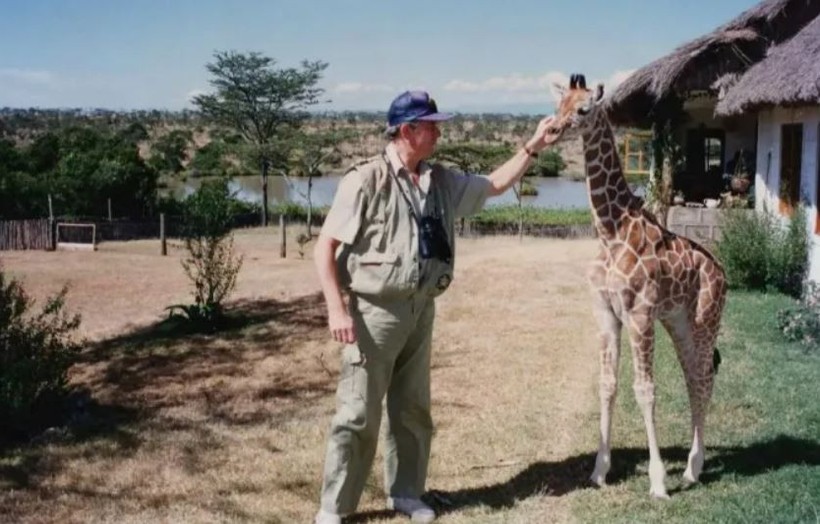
(637, 153)
(791, 152)
(712, 153)
(705, 151)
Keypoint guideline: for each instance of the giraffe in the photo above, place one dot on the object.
(642, 273)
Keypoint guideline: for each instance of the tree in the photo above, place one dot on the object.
(209, 160)
(549, 163)
(304, 154)
(473, 158)
(171, 151)
(260, 101)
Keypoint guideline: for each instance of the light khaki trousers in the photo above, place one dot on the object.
(391, 358)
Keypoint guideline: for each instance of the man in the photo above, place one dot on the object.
(394, 218)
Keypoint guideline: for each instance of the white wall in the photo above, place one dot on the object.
(767, 180)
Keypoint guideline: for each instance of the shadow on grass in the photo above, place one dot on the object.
(302, 313)
(151, 358)
(123, 382)
(571, 474)
(82, 420)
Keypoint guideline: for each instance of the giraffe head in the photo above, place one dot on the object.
(577, 106)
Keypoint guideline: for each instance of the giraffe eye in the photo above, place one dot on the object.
(583, 111)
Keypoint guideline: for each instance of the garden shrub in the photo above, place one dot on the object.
(801, 323)
(211, 264)
(759, 253)
(36, 351)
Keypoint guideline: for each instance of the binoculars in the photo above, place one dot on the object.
(433, 240)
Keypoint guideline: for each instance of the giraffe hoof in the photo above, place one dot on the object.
(658, 495)
(689, 481)
(598, 480)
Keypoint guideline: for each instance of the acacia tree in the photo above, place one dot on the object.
(260, 101)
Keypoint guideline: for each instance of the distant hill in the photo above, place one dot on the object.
(509, 124)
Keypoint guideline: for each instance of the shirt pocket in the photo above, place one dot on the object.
(375, 273)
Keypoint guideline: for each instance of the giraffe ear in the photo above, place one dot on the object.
(582, 81)
(599, 92)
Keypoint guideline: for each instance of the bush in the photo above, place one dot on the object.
(549, 163)
(758, 253)
(802, 323)
(211, 264)
(294, 211)
(36, 351)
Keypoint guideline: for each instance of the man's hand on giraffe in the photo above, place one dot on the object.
(545, 135)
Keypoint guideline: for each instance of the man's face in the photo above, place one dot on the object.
(422, 137)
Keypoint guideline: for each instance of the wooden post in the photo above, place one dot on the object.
(109, 210)
(52, 232)
(163, 245)
(283, 237)
(50, 209)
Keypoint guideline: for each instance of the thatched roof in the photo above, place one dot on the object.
(730, 49)
(789, 75)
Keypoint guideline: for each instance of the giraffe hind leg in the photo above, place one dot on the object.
(703, 379)
(694, 350)
(707, 315)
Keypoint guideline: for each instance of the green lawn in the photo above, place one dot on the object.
(762, 434)
(509, 214)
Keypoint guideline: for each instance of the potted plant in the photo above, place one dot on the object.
(741, 174)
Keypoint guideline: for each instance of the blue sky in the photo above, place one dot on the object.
(473, 55)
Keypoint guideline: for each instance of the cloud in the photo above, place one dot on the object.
(618, 78)
(359, 87)
(26, 76)
(523, 88)
(515, 83)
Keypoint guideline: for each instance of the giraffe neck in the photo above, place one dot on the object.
(609, 195)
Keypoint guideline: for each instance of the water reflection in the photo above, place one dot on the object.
(553, 193)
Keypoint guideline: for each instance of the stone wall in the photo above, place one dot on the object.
(703, 225)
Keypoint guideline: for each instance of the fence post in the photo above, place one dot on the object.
(163, 245)
(109, 210)
(52, 232)
(283, 237)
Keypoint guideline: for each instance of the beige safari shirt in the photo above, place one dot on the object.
(374, 214)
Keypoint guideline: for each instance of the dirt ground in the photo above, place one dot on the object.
(232, 427)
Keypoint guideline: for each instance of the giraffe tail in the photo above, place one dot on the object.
(716, 360)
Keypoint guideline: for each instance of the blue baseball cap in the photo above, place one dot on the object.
(414, 106)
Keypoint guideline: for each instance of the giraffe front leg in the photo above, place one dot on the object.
(610, 336)
(642, 339)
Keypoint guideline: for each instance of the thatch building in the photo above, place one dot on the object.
(748, 90)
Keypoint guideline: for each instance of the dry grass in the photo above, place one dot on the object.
(232, 427)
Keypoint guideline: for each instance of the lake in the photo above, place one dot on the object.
(553, 193)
